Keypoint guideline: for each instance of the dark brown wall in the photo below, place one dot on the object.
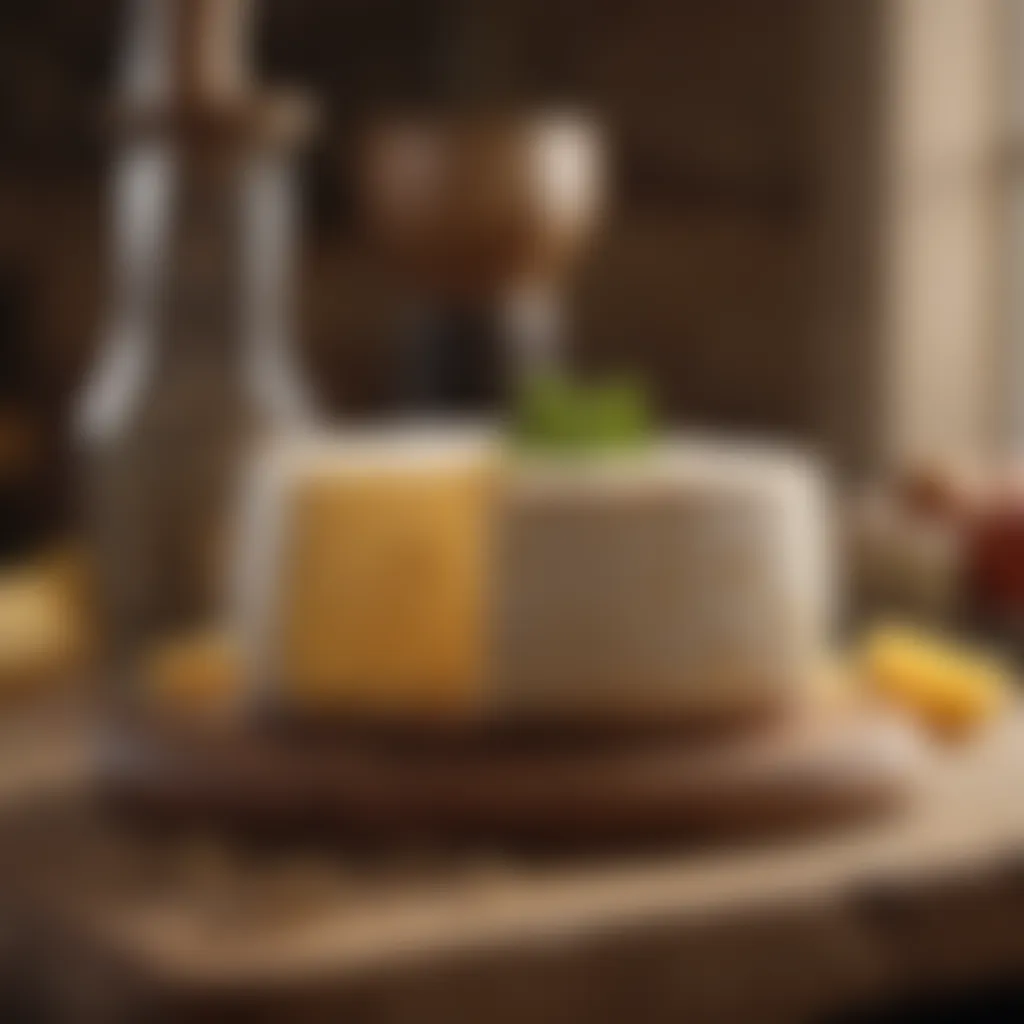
(703, 277)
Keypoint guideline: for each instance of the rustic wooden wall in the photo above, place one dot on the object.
(701, 277)
(704, 275)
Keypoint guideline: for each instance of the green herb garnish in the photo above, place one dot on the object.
(556, 413)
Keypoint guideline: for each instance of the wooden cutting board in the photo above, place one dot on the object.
(808, 768)
(197, 926)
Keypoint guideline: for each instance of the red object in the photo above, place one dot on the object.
(995, 553)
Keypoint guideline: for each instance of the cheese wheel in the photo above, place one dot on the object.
(437, 575)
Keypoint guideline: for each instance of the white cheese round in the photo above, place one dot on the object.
(695, 578)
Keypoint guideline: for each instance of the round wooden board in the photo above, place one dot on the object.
(814, 767)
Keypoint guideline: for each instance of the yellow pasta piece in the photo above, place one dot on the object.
(952, 689)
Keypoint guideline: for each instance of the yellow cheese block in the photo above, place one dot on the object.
(384, 596)
(950, 688)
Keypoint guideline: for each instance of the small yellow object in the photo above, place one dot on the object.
(950, 688)
(44, 626)
(197, 675)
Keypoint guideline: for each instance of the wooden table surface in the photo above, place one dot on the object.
(931, 899)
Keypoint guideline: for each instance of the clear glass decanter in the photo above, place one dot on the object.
(195, 367)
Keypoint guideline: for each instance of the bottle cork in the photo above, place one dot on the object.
(187, 73)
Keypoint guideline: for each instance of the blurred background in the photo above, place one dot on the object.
(812, 228)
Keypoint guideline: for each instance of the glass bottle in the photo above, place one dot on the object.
(195, 367)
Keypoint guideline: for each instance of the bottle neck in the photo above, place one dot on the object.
(200, 312)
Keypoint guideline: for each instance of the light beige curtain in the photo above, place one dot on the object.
(917, 287)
